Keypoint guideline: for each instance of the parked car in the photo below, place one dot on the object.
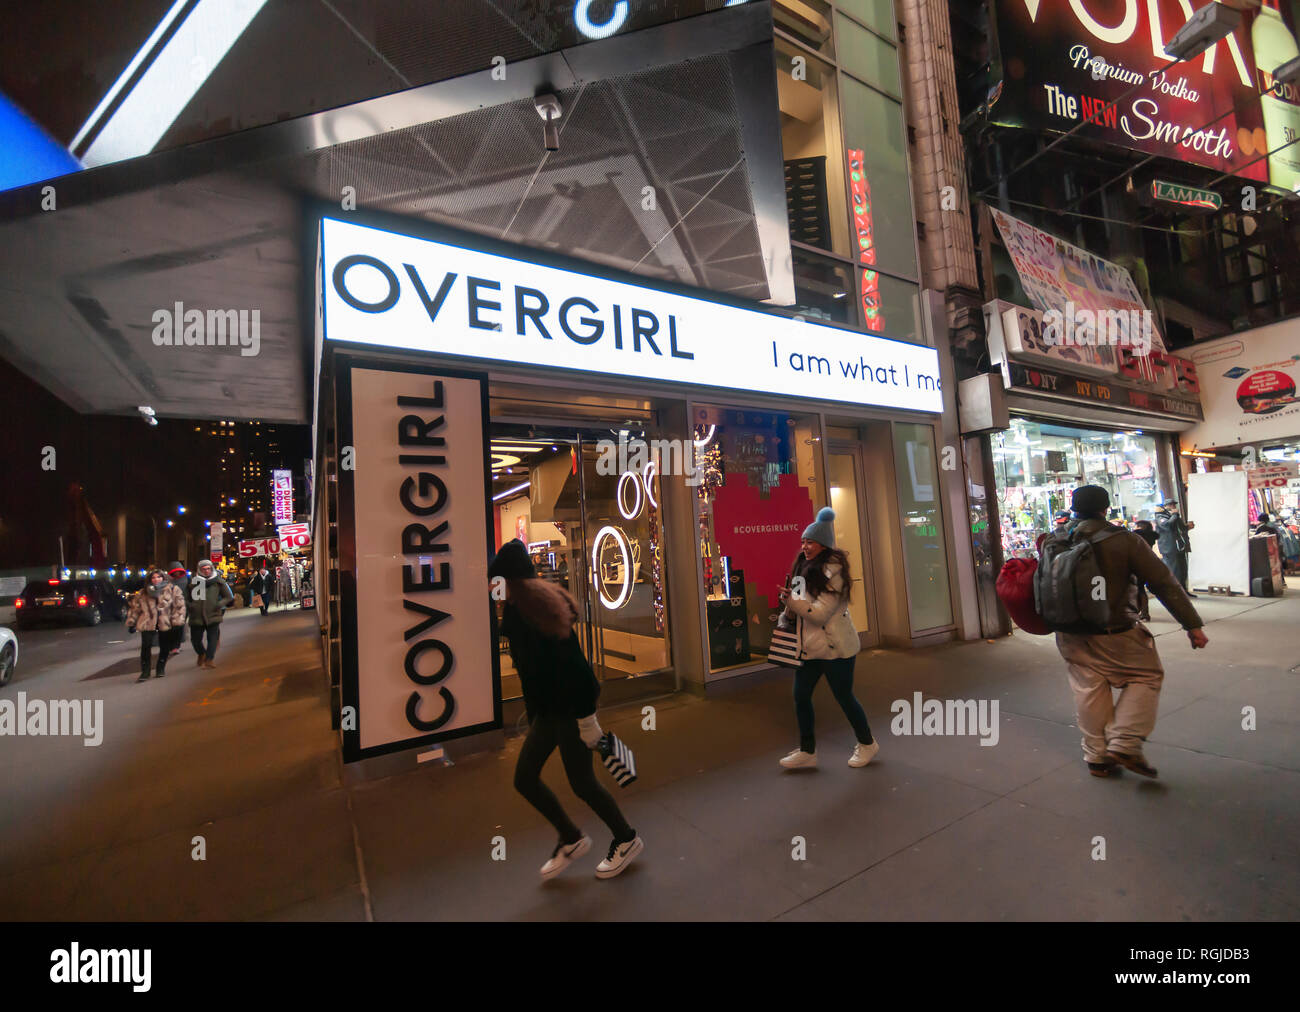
(88, 601)
(8, 655)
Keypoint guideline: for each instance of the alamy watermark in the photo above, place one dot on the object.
(74, 718)
(665, 457)
(178, 327)
(948, 717)
(75, 965)
(1126, 328)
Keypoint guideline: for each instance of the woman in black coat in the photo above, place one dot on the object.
(560, 692)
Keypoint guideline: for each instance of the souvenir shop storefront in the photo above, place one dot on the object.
(1082, 414)
(659, 449)
(1039, 461)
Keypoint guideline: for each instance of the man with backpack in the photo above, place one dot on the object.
(1086, 590)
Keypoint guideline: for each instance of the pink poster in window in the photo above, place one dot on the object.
(761, 536)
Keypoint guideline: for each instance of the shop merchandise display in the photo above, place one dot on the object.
(1038, 465)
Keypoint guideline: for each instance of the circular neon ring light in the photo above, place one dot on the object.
(651, 468)
(633, 513)
(700, 444)
(626, 594)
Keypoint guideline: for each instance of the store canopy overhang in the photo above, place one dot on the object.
(669, 167)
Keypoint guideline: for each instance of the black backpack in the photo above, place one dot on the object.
(1066, 580)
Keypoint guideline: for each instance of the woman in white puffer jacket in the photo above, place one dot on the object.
(819, 601)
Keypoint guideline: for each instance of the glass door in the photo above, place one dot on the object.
(591, 518)
(844, 474)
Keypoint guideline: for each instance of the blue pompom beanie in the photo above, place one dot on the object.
(823, 531)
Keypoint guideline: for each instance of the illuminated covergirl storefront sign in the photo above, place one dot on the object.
(381, 288)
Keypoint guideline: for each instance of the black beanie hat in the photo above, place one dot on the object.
(1090, 501)
(512, 562)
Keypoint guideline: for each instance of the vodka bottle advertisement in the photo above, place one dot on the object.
(1274, 45)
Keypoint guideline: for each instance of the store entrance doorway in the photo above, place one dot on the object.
(593, 525)
(845, 469)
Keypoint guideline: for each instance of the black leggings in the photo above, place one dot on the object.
(544, 736)
(148, 637)
(839, 675)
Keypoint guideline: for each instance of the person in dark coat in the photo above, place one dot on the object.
(1144, 530)
(262, 583)
(1265, 526)
(560, 692)
(1123, 655)
(1171, 535)
(209, 597)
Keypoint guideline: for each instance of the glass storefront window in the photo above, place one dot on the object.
(821, 288)
(868, 56)
(877, 14)
(809, 21)
(889, 306)
(592, 530)
(810, 145)
(759, 488)
(875, 138)
(1038, 464)
(924, 551)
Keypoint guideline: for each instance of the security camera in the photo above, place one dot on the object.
(549, 108)
(1207, 26)
(1288, 73)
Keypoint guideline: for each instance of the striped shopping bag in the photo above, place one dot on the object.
(618, 759)
(786, 646)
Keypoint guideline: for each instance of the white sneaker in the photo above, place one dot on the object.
(564, 855)
(619, 857)
(799, 759)
(863, 754)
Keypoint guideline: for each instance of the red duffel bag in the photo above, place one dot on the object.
(1015, 589)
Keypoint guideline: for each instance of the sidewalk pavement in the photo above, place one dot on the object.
(937, 828)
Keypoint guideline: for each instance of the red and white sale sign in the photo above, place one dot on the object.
(294, 536)
(289, 538)
(1272, 475)
(259, 546)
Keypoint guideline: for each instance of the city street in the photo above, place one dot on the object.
(937, 828)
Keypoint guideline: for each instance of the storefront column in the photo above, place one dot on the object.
(961, 565)
(686, 623)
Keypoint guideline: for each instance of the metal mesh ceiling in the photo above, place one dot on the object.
(674, 129)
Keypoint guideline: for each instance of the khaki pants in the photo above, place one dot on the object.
(1126, 661)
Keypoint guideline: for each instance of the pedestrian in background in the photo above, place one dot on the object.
(209, 597)
(180, 579)
(153, 612)
(1172, 536)
(1265, 526)
(560, 692)
(829, 642)
(261, 585)
(1144, 530)
(1122, 655)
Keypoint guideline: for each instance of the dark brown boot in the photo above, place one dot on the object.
(1136, 763)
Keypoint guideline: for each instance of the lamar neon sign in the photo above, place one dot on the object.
(1188, 196)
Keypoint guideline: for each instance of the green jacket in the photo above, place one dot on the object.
(214, 596)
